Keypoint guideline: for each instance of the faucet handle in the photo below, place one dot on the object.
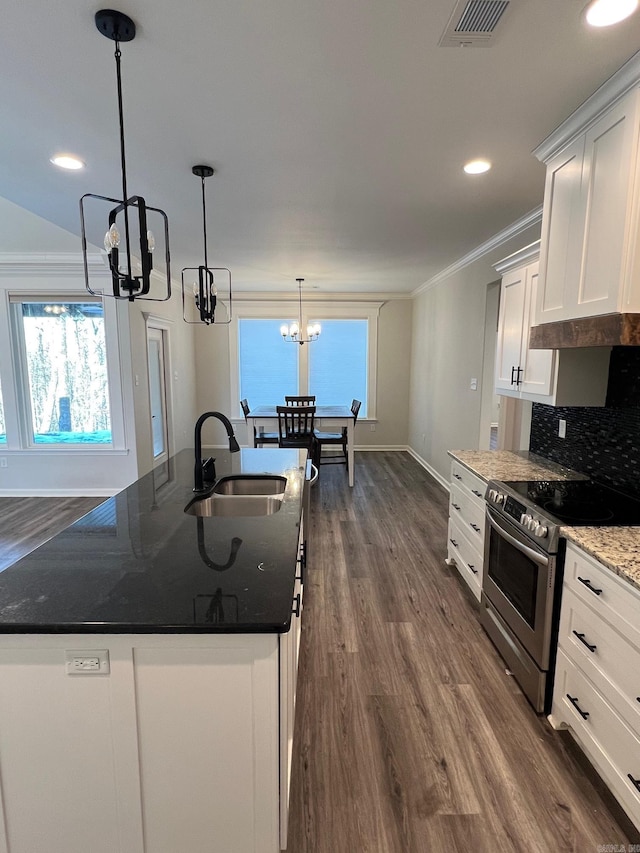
(209, 470)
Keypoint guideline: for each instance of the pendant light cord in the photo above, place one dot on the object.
(204, 223)
(123, 160)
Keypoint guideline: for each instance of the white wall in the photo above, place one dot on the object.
(447, 351)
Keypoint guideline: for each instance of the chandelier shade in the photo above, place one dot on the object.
(206, 291)
(122, 225)
(292, 333)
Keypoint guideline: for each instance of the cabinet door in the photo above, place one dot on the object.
(512, 304)
(607, 184)
(561, 240)
(537, 365)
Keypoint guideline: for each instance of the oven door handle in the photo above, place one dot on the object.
(536, 556)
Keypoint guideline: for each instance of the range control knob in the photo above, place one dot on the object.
(532, 523)
(498, 497)
(525, 520)
(540, 531)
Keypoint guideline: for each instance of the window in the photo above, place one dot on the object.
(338, 367)
(261, 349)
(338, 363)
(65, 393)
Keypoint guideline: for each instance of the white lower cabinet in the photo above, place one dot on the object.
(465, 548)
(185, 745)
(597, 683)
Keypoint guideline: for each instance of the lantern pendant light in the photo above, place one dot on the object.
(292, 333)
(127, 222)
(200, 299)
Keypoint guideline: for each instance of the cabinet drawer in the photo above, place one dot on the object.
(610, 597)
(469, 514)
(604, 654)
(462, 476)
(466, 556)
(611, 745)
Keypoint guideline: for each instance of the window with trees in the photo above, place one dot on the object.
(64, 390)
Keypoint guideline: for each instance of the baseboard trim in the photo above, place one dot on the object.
(429, 468)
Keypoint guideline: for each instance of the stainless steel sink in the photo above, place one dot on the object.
(250, 484)
(234, 506)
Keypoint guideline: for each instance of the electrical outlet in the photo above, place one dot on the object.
(3, 462)
(473, 385)
(87, 662)
(562, 428)
(372, 427)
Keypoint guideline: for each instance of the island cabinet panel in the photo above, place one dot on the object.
(465, 546)
(177, 748)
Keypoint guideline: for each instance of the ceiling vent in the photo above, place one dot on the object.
(473, 23)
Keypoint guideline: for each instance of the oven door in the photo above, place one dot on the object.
(519, 581)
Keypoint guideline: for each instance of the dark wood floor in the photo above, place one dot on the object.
(410, 736)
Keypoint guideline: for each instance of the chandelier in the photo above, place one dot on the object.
(128, 242)
(292, 333)
(200, 298)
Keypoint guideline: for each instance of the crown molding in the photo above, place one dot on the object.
(349, 298)
(50, 263)
(590, 110)
(520, 258)
(527, 221)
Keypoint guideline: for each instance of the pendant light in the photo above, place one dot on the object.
(292, 333)
(128, 242)
(200, 298)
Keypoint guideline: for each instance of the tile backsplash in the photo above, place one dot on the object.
(601, 442)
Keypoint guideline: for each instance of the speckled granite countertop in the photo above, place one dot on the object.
(508, 465)
(617, 548)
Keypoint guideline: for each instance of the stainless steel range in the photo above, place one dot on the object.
(523, 568)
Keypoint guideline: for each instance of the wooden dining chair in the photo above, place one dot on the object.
(336, 439)
(259, 438)
(300, 401)
(295, 428)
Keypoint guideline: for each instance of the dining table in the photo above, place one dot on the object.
(327, 419)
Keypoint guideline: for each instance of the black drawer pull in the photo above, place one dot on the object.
(584, 642)
(296, 605)
(587, 583)
(574, 702)
(473, 569)
(453, 542)
(455, 506)
(475, 527)
(476, 493)
(457, 476)
(635, 782)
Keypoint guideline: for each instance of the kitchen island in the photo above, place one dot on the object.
(148, 661)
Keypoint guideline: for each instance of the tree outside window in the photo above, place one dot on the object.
(66, 365)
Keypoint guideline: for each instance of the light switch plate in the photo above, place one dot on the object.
(562, 428)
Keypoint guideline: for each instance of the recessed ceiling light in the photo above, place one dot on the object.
(67, 161)
(603, 13)
(477, 167)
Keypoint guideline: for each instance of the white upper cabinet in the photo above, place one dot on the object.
(575, 377)
(589, 258)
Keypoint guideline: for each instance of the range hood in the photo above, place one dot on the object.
(607, 330)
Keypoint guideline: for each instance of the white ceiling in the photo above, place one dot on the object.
(337, 128)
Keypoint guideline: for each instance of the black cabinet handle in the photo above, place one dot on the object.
(473, 569)
(584, 642)
(453, 542)
(518, 380)
(457, 476)
(587, 583)
(475, 527)
(296, 604)
(455, 506)
(477, 494)
(635, 782)
(513, 381)
(574, 702)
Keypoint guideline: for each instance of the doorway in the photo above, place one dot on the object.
(157, 350)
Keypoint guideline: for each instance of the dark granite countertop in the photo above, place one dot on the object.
(138, 563)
